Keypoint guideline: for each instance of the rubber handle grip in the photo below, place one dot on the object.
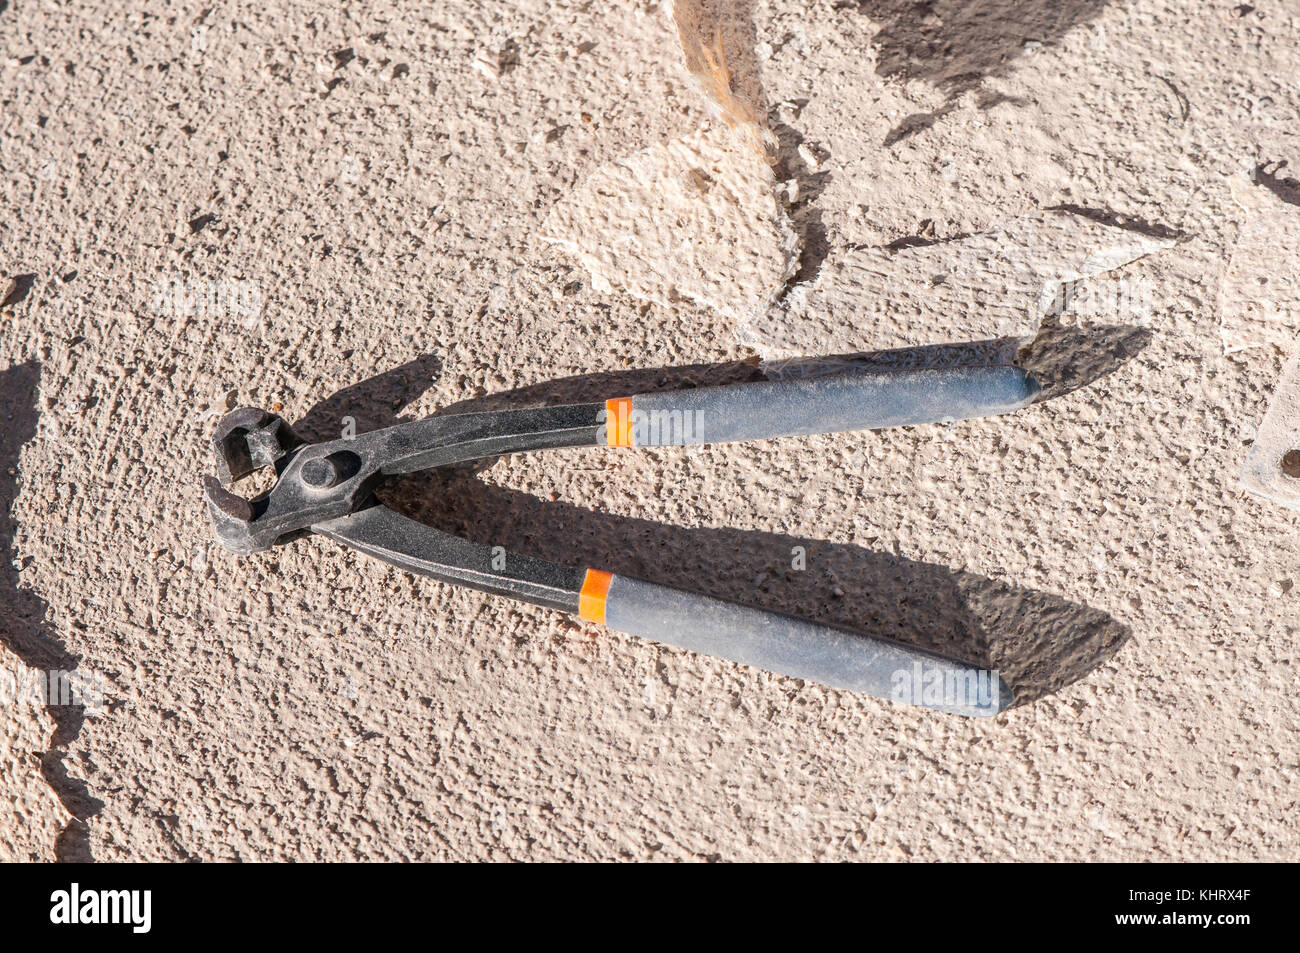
(800, 649)
(859, 401)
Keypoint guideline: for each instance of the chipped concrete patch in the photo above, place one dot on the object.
(1259, 302)
(1272, 467)
(695, 218)
(699, 217)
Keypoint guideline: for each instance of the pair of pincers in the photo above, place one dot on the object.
(329, 488)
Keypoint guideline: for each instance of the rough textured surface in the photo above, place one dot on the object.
(31, 817)
(384, 191)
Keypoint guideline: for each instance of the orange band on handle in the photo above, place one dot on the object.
(591, 600)
(618, 422)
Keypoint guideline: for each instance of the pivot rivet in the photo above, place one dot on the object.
(320, 473)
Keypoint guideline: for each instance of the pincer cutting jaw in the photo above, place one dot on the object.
(246, 440)
(318, 482)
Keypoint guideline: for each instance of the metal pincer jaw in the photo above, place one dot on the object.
(246, 440)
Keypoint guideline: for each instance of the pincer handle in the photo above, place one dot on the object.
(790, 646)
(864, 400)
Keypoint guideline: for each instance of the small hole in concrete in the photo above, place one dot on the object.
(1291, 464)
